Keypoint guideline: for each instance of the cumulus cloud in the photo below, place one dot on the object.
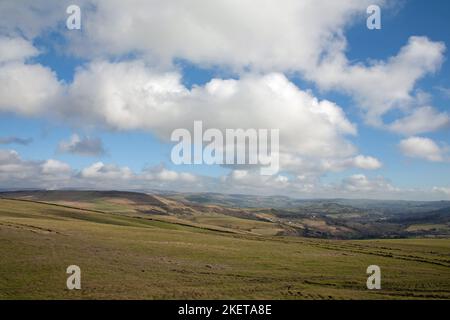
(291, 36)
(55, 167)
(16, 49)
(123, 177)
(246, 180)
(101, 171)
(360, 183)
(226, 32)
(312, 44)
(146, 92)
(383, 85)
(32, 18)
(18, 173)
(163, 174)
(306, 37)
(422, 148)
(365, 162)
(26, 89)
(421, 120)
(354, 186)
(12, 166)
(85, 146)
(130, 95)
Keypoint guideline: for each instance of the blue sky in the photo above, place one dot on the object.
(404, 173)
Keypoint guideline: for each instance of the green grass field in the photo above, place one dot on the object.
(154, 257)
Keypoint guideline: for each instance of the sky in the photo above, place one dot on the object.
(361, 113)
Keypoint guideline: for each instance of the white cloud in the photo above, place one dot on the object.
(361, 184)
(421, 120)
(101, 171)
(13, 168)
(443, 190)
(27, 89)
(168, 175)
(123, 177)
(301, 37)
(53, 174)
(250, 181)
(354, 186)
(366, 162)
(305, 38)
(55, 167)
(16, 49)
(239, 174)
(130, 95)
(16, 172)
(278, 37)
(31, 18)
(383, 85)
(423, 148)
(161, 174)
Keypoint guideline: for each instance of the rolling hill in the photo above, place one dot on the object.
(137, 246)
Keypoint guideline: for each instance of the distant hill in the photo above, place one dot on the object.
(76, 195)
(263, 215)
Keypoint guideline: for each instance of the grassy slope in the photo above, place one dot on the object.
(134, 257)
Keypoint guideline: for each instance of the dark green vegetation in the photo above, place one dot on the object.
(139, 246)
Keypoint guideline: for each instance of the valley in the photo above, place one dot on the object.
(142, 246)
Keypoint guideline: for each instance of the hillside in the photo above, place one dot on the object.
(328, 219)
(136, 255)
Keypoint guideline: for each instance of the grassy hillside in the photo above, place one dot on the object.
(134, 255)
(329, 219)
